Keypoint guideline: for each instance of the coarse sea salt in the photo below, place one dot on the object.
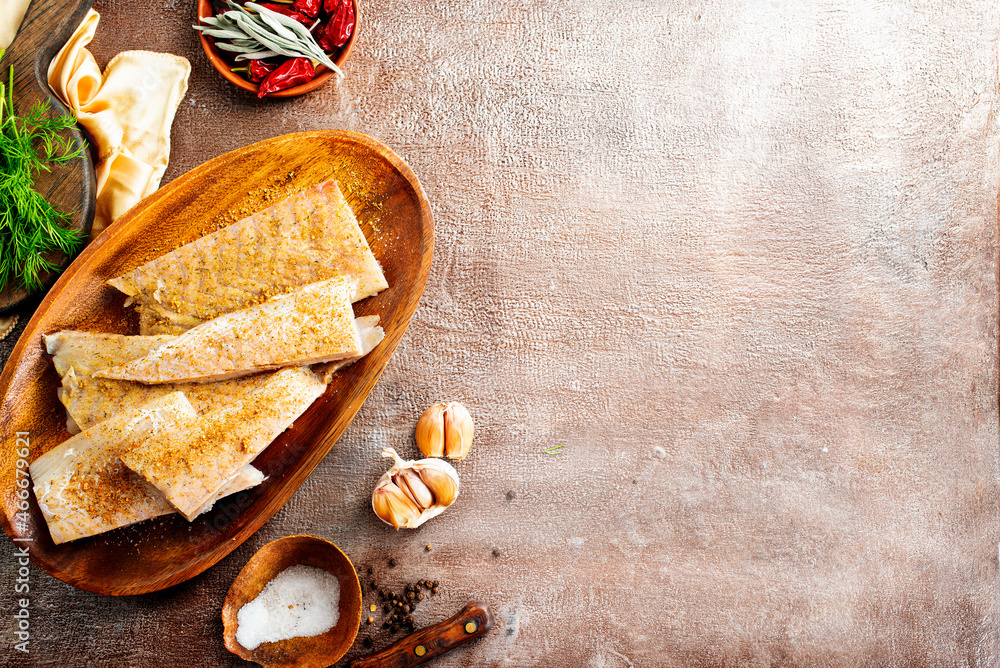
(299, 602)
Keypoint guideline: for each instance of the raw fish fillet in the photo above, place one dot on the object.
(189, 466)
(308, 237)
(311, 325)
(87, 352)
(83, 489)
(371, 335)
(88, 401)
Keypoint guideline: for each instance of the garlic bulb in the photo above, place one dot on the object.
(412, 492)
(445, 429)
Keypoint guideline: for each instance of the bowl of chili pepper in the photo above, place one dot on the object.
(258, 68)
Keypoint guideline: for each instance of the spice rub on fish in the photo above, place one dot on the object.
(308, 237)
(371, 335)
(83, 488)
(77, 356)
(190, 466)
(311, 325)
(84, 353)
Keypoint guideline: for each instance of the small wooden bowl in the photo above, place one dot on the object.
(322, 73)
(316, 652)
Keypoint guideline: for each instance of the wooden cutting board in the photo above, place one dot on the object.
(72, 187)
(395, 217)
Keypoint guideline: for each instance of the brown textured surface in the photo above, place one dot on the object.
(740, 257)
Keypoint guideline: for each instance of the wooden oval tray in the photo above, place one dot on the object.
(158, 553)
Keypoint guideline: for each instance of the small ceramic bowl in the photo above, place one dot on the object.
(322, 73)
(315, 652)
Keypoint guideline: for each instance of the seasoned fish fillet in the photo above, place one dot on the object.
(189, 466)
(247, 477)
(78, 355)
(308, 237)
(88, 400)
(371, 335)
(87, 352)
(311, 325)
(82, 487)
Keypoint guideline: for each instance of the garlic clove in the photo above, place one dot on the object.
(458, 430)
(443, 485)
(393, 506)
(430, 431)
(408, 481)
(402, 491)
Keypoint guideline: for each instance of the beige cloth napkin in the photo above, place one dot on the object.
(128, 111)
(11, 13)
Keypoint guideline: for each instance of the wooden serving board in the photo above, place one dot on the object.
(71, 187)
(152, 555)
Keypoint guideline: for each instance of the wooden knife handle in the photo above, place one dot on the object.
(472, 621)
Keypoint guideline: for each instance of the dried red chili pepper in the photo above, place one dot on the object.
(283, 9)
(288, 74)
(340, 26)
(259, 70)
(308, 7)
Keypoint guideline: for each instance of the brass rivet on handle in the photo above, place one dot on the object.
(420, 650)
(471, 627)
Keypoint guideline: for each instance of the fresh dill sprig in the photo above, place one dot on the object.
(30, 227)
